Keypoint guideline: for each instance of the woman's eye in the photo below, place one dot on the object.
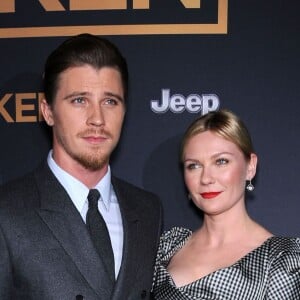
(222, 161)
(192, 166)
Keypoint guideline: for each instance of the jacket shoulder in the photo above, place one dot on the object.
(23, 191)
(129, 189)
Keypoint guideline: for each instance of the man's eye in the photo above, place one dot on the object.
(111, 101)
(78, 100)
(222, 161)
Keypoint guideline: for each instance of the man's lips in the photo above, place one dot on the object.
(210, 195)
(94, 136)
(95, 139)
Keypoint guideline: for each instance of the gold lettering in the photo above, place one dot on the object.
(3, 111)
(7, 6)
(124, 29)
(21, 107)
(97, 4)
(191, 3)
(52, 5)
(141, 4)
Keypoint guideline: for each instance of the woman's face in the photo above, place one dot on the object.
(215, 172)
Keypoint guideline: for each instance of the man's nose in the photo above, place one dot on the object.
(95, 116)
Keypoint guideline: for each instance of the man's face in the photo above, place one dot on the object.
(87, 116)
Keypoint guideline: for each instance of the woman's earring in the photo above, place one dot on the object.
(250, 186)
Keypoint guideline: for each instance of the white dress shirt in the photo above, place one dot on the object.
(108, 205)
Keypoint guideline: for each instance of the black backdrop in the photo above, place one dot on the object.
(251, 68)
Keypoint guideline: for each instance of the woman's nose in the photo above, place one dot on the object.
(207, 176)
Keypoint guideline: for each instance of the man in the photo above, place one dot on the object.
(48, 249)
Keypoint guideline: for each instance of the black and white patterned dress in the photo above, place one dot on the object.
(269, 272)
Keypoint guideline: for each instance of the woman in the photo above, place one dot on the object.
(230, 256)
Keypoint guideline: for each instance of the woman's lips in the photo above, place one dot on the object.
(210, 195)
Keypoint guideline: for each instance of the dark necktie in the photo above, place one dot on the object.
(99, 232)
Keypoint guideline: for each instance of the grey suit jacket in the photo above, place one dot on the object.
(46, 251)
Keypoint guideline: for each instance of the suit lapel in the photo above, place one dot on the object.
(63, 219)
(130, 259)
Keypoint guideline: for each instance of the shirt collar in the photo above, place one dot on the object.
(77, 191)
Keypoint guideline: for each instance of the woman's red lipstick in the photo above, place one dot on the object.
(210, 195)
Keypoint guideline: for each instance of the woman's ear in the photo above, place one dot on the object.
(252, 164)
(47, 112)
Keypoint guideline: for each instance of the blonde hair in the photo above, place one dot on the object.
(225, 124)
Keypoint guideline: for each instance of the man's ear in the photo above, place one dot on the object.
(47, 112)
(252, 166)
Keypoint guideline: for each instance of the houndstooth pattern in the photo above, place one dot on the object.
(270, 272)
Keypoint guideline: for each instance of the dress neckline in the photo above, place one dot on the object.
(235, 264)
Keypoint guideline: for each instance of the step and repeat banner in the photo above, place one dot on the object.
(186, 58)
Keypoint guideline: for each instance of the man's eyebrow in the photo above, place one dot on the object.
(110, 94)
(81, 94)
(76, 94)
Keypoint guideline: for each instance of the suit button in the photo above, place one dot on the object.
(79, 297)
(143, 294)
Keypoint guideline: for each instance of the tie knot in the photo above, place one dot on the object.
(93, 197)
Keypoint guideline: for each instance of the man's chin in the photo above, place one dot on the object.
(91, 163)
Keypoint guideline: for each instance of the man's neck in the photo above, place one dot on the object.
(88, 177)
